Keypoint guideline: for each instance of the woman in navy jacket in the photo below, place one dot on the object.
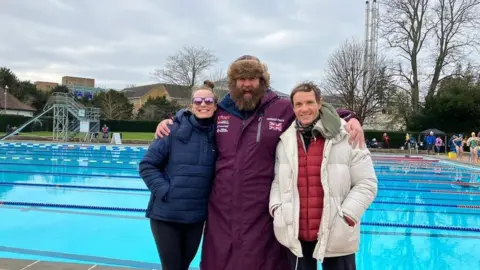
(179, 172)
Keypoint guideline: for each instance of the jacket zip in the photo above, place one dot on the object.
(308, 188)
(259, 129)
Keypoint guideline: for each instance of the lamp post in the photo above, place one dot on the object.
(6, 90)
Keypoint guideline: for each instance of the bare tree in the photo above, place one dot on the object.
(344, 79)
(217, 75)
(186, 67)
(219, 78)
(410, 26)
(113, 105)
(404, 27)
(455, 24)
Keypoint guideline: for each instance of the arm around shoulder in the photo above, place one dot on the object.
(347, 115)
(364, 184)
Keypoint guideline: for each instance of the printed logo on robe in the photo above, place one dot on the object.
(275, 119)
(274, 126)
(223, 122)
(222, 129)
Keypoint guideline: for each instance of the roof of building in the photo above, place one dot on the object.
(139, 91)
(13, 103)
(174, 91)
(45, 82)
(178, 91)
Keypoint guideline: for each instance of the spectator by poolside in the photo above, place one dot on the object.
(105, 131)
(430, 142)
(386, 140)
(438, 144)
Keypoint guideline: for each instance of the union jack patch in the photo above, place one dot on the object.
(274, 126)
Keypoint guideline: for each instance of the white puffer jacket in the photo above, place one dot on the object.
(350, 186)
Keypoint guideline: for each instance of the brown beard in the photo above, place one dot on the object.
(243, 104)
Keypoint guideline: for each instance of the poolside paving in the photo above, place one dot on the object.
(13, 264)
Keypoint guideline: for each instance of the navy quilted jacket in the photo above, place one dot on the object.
(179, 171)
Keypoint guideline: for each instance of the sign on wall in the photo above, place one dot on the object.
(84, 126)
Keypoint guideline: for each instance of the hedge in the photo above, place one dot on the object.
(47, 124)
(130, 125)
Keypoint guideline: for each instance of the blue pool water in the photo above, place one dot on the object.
(84, 204)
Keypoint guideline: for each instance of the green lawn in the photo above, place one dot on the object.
(146, 136)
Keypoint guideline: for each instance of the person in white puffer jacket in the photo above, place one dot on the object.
(322, 186)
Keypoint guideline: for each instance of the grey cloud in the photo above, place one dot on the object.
(120, 42)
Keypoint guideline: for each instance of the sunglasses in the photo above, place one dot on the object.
(199, 100)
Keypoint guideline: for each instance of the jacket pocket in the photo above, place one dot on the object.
(168, 194)
(280, 227)
(343, 238)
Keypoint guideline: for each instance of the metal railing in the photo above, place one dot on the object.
(68, 128)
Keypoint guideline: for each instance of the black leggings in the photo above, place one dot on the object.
(307, 262)
(177, 243)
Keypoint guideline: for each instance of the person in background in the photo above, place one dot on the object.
(438, 144)
(322, 186)
(407, 139)
(374, 143)
(179, 172)
(473, 143)
(412, 145)
(105, 131)
(249, 121)
(386, 140)
(430, 142)
(458, 142)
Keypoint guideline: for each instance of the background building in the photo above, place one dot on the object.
(81, 87)
(83, 91)
(70, 80)
(13, 105)
(139, 95)
(45, 86)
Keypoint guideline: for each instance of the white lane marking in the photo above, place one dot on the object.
(92, 267)
(30, 265)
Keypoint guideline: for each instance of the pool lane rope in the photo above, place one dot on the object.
(73, 174)
(107, 208)
(71, 186)
(444, 191)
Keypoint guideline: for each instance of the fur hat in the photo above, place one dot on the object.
(248, 66)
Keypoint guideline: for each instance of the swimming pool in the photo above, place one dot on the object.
(85, 204)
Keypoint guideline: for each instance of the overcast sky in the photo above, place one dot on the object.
(121, 42)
